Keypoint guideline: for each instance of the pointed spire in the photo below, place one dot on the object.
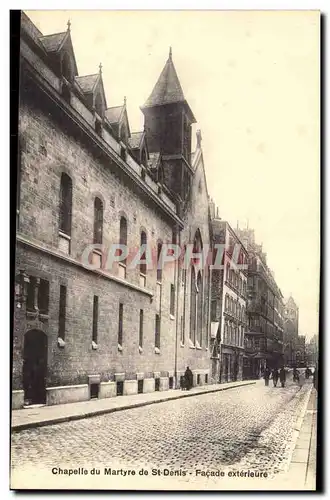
(100, 68)
(69, 25)
(170, 54)
(125, 100)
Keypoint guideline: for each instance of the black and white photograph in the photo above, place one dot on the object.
(167, 251)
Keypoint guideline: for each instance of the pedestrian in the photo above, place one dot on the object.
(275, 377)
(282, 376)
(295, 375)
(188, 378)
(267, 375)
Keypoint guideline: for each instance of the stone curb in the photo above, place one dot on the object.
(95, 413)
(297, 428)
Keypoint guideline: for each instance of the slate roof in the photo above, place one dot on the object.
(113, 114)
(28, 26)
(167, 89)
(53, 42)
(135, 140)
(87, 83)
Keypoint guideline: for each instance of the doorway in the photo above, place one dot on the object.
(35, 367)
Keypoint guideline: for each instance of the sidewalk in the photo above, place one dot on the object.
(47, 415)
(302, 470)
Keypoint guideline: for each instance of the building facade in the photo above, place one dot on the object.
(312, 350)
(291, 331)
(264, 336)
(301, 358)
(229, 302)
(88, 324)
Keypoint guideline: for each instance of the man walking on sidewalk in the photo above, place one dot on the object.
(275, 377)
(267, 375)
(282, 376)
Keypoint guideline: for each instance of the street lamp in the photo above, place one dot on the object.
(21, 285)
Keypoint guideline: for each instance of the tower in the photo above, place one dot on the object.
(168, 120)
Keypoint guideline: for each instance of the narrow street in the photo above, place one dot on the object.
(243, 428)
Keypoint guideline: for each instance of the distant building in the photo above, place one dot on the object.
(228, 307)
(291, 327)
(312, 351)
(264, 336)
(300, 351)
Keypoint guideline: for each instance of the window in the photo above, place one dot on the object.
(62, 312)
(43, 297)
(226, 302)
(143, 265)
(98, 220)
(182, 329)
(200, 308)
(66, 67)
(172, 301)
(30, 303)
(225, 333)
(95, 317)
(157, 331)
(120, 324)
(214, 310)
(123, 241)
(99, 105)
(141, 329)
(228, 273)
(193, 294)
(65, 204)
(159, 263)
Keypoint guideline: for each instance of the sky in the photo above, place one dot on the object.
(252, 81)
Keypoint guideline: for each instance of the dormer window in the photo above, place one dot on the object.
(99, 108)
(66, 67)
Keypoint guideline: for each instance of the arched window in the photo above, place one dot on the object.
(66, 67)
(123, 236)
(65, 204)
(143, 242)
(98, 220)
(198, 246)
(200, 308)
(193, 293)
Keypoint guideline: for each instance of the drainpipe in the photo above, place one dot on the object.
(177, 281)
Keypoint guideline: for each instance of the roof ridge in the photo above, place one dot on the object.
(84, 76)
(53, 34)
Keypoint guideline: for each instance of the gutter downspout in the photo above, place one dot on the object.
(178, 321)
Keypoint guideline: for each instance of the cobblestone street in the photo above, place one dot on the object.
(239, 429)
